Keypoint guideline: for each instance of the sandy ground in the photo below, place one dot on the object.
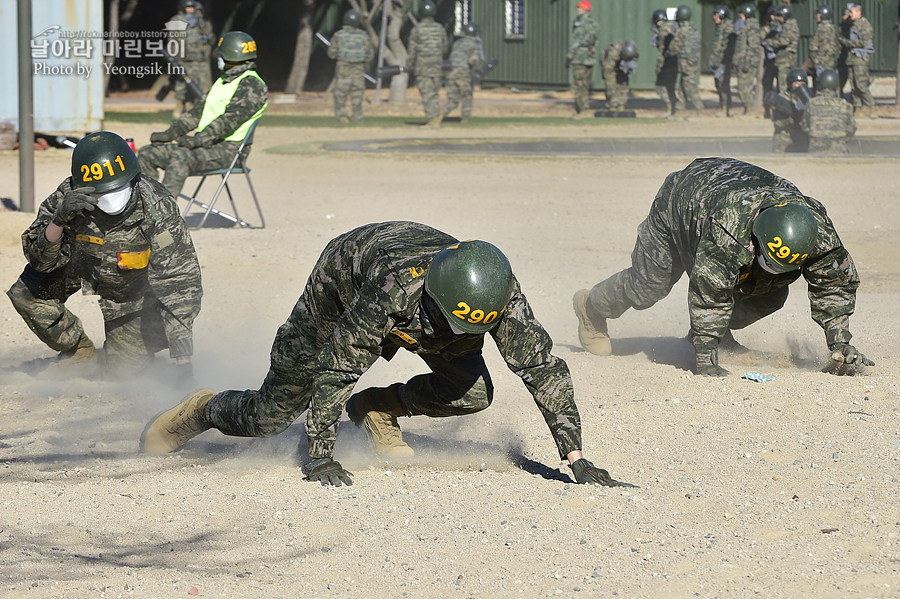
(780, 489)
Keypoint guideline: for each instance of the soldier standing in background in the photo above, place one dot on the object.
(376, 290)
(722, 56)
(582, 56)
(618, 61)
(351, 47)
(769, 71)
(666, 66)
(823, 47)
(742, 235)
(787, 111)
(685, 47)
(828, 119)
(860, 47)
(846, 24)
(785, 43)
(748, 53)
(466, 57)
(199, 40)
(428, 45)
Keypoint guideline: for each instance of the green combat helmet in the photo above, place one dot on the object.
(471, 282)
(352, 18)
(747, 9)
(426, 9)
(471, 29)
(828, 79)
(237, 46)
(629, 50)
(786, 233)
(723, 11)
(104, 161)
(825, 13)
(785, 11)
(795, 74)
(683, 13)
(658, 15)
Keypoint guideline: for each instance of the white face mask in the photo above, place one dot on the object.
(765, 266)
(114, 202)
(456, 331)
(220, 62)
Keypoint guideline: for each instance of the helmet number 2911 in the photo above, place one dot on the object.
(783, 251)
(94, 171)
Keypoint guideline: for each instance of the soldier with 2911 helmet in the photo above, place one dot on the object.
(110, 232)
(375, 290)
(742, 234)
(234, 102)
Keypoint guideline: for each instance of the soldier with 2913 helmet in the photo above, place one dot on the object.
(742, 234)
(351, 47)
(113, 233)
(234, 102)
(375, 290)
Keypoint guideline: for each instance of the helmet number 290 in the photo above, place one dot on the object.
(465, 312)
(783, 251)
(94, 171)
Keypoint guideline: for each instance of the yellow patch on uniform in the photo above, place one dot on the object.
(743, 276)
(134, 260)
(164, 239)
(416, 271)
(89, 239)
(404, 336)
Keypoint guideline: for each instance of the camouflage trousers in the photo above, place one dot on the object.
(823, 145)
(690, 85)
(789, 137)
(349, 82)
(180, 163)
(858, 76)
(769, 76)
(131, 339)
(429, 89)
(459, 91)
(666, 81)
(581, 86)
(455, 386)
(723, 88)
(748, 84)
(616, 87)
(782, 76)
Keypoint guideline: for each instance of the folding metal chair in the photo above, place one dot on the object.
(238, 167)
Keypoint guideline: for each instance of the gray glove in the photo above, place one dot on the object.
(844, 353)
(72, 205)
(162, 136)
(327, 472)
(586, 473)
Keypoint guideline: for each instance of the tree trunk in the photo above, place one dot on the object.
(897, 85)
(398, 52)
(302, 50)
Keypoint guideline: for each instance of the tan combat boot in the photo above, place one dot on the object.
(173, 428)
(80, 360)
(592, 333)
(375, 410)
(435, 123)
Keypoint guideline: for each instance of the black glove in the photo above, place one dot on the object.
(708, 364)
(72, 204)
(162, 136)
(844, 353)
(189, 141)
(587, 473)
(568, 64)
(327, 472)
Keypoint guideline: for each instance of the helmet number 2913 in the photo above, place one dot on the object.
(782, 251)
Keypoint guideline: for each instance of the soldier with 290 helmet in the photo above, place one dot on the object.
(110, 232)
(742, 234)
(234, 102)
(375, 290)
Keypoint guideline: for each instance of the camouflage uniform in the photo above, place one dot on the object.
(829, 122)
(686, 47)
(141, 263)
(250, 97)
(465, 57)
(428, 45)
(823, 48)
(721, 59)
(701, 223)
(769, 70)
(860, 47)
(361, 302)
(748, 54)
(199, 40)
(788, 136)
(785, 46)
(351, 47)
(615, 74)
(582, 57)
(666, 66)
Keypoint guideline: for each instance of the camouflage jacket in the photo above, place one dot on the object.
(365, 295)
(723, 45)
(824, 46)
(251, 95)
(747, 48)
(428, 45)
(351, 44)
(465, 54)
(199, 38)
(828, 117)
(785, 44)
(859, 41)
(583, 41)
(663, 34)
(709, 209)
(686, 45)
(146, 250)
